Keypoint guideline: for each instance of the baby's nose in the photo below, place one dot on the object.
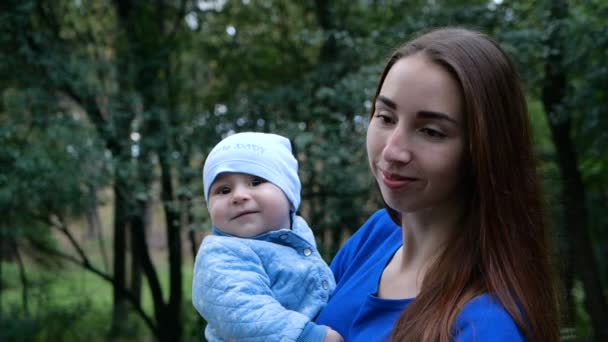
(240, 195)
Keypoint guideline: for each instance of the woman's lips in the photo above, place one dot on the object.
(394, 181)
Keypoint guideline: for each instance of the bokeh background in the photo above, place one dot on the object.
(108, 109)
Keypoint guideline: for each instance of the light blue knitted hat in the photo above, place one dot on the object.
(265, 155)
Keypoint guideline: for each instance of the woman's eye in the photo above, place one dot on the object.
(257, 181)
(386, 119)
(433, 133)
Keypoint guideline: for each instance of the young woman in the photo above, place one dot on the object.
(460, 252)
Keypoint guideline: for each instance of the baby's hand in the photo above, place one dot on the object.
(333, 336)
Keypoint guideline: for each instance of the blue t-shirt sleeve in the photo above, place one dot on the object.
(485, 319)
(372, 233)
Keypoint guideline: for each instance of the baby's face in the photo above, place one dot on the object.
(244, 205)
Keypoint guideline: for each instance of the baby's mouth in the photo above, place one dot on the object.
(241, 214)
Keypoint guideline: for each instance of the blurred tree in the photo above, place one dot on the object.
(561, 112)
(42, 181)
(115, 67)
(551, 38)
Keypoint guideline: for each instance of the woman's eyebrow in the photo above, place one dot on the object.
(387, 102)
(423, 114)
(429, 114)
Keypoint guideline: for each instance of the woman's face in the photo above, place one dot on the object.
(416, 137)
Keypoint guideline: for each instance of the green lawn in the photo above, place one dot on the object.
(69, 304)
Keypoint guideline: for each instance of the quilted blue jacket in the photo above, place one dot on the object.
(265, 288)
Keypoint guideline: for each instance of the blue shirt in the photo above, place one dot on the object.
(358, 314)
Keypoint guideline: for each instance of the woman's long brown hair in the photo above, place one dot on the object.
(502, 247)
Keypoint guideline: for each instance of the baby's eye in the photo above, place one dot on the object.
(255, 181)
(433, 133)
(222, 190)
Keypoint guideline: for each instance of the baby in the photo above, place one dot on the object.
(258, 276)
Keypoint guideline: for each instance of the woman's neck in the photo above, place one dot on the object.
(425, 235)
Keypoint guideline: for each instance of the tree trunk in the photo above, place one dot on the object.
(149, 59)
(93, 222)
(1, 262)
(119, 311)
(175, 252)
(136, 274)
(185, 199)
(139, 236)
(1, 290)
(94, 227)
(568, 313)
(325, 19)
(573, 189)
(187, 222)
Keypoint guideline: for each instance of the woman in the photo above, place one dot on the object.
(449, 143)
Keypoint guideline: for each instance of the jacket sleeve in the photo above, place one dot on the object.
(232, 292)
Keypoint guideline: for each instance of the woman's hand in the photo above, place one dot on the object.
(333, 336)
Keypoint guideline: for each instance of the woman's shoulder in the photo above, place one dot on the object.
(379, 224)
(376, 237)
(374, 232)
(484, 318)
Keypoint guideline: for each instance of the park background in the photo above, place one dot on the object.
(108, 109)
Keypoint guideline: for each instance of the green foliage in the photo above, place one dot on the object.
(14, 329)
(50, 161)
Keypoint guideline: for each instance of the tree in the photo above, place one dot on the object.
(77, 57)
(554, 96)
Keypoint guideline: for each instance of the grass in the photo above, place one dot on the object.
(71, 304)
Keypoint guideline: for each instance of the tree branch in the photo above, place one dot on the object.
(157, 296)
(65, 230)
(51, 251)
(178, 18)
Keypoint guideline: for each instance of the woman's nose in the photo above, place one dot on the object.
(397, 148)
